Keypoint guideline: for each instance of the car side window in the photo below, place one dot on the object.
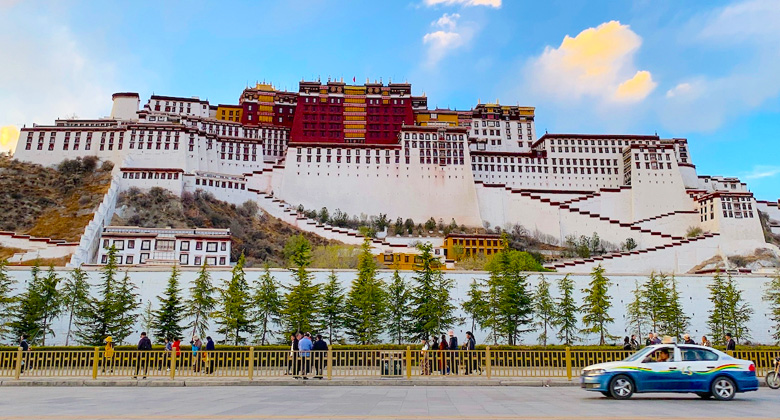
(697, 355)
(664, 354)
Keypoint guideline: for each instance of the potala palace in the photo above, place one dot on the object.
(376, 148)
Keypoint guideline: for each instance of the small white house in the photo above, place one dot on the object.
(166, 246)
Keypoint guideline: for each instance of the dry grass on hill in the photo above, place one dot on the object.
(260, 236)
(51, 202)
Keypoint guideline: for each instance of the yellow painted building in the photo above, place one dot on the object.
(229, 112)
(471, 245)
(438, 116)
(402, 261)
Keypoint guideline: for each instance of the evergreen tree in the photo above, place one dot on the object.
(771, 295)
(717, 321)
(201, 302)
(738, 312)
(475, 305)
(6, 300)
(75, 297)
(267, 303)
(432, 308)
(332, 308)
(544, 308)
(655, 297)
(168, 318)
(675, 319)
(636, 312)
(300, 301)
(566, 316)
(234, 315)
(597, 303)
(99, 316)
(38, 306)
(510, 301)
(127, 304)
(399, 315)
(366, 304)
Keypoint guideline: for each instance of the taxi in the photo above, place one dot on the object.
(670, 367)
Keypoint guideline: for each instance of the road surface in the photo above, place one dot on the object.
(368, 402)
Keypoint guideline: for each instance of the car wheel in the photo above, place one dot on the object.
(606, 394)
(723, 388)
(704, 395)
(621, 387)
(773, 380)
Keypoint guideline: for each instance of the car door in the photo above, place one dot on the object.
(661, 375)
(695, 366)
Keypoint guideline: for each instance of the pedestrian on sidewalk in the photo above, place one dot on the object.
(320, 351)
(108, 355)
(626, 343)
(453, 345)
(176, 352)
(687, 338)
(634, 342)
(731, 345)
(196, 356)
(424, 364)
(209, 357)
(166, 354)
(144, 346)
(470, 346)
(25, 351)
(649, 341)
(705, 342)
(292, 364)
(305, 346)
(443, 347)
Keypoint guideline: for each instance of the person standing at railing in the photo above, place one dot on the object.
(443, 347)
(292, 364)
(627, 344)
(320, 351)
(144, 346)
(705, 342)
(687, 338)
(634, 343)
(305, 345)
(108, 355)
(731, 345)
(209, 356)
(453, 352)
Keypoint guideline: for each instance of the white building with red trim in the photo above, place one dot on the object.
(165, 246)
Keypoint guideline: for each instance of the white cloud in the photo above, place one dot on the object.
(48, 73)
(448, 38)
(597, 64)
(489, 3)
(762, 171)
(705, 102)
(447, 21)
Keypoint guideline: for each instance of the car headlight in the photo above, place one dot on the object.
(595, 372)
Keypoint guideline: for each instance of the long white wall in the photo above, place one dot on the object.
(693, 289)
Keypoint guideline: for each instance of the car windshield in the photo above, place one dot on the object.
(639, 355)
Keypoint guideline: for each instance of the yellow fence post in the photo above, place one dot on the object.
(568, 362)
(95, 361)
(487, 361)
(408, 362)
(251, 363)
(330, 363)
(18, 371)
(173, 364)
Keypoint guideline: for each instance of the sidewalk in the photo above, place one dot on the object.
(357, 381)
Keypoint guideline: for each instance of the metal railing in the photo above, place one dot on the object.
(257, 363)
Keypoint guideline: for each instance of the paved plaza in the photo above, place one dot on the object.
(368, 402)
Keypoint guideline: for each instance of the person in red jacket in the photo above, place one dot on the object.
(176, 349)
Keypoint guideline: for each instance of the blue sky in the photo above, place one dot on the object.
(705, 70)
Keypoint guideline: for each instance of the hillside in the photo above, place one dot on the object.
(260, 236)
(51, 202)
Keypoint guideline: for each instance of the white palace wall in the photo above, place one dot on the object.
(151, 282)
